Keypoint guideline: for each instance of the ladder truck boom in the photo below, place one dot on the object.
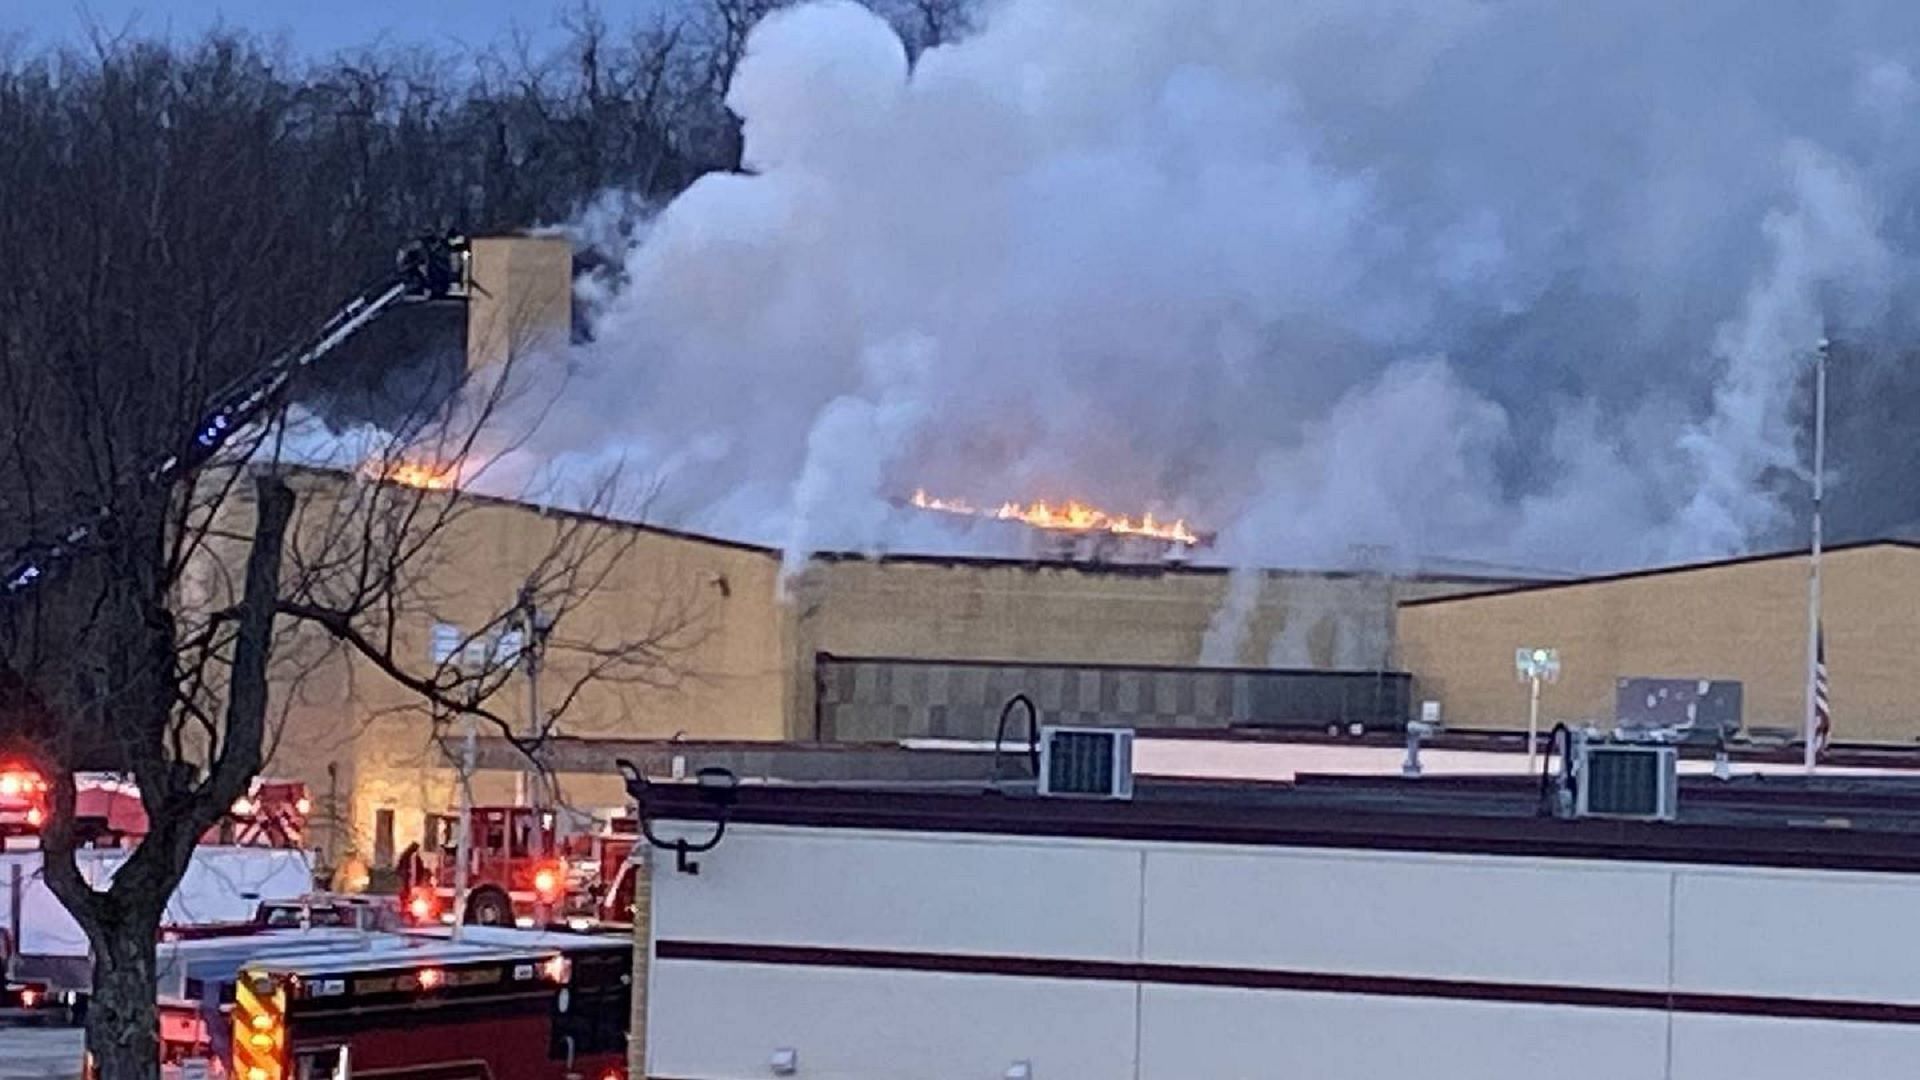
(432, 268)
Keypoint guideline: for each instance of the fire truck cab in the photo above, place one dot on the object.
(516, 869)
(525, 869)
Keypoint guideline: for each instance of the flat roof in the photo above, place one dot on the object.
(1660, 571)
(1464, 572)
(383, 949)
(1819, 822)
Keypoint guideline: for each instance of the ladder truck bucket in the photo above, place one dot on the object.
(437, 267)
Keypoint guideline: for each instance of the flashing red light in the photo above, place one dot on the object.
(34, 816)
(546, 882)
(302, 805)
(557, 969)
(29, 998)
(420, 907)
(430, 978)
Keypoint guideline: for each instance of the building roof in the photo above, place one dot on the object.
(1848, 823)
(1660, 571)
(383, 950)
(1444, 571)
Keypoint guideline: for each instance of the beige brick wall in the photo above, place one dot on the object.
(1745, 621)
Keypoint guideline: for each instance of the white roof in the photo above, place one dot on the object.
(383, 950)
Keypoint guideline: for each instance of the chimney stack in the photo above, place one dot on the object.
(522, 302)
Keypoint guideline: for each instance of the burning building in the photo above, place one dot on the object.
(1097, 613)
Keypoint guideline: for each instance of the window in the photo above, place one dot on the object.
(383, 838)
(525, 838)
(438, 834)
(490, 834)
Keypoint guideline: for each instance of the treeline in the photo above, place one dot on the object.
(170, 213)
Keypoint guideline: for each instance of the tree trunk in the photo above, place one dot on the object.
(123, 1022)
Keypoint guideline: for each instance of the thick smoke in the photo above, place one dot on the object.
(1526, 282)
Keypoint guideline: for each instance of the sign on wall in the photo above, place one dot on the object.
(1698, 710)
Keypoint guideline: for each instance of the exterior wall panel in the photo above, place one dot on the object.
(1208, 1034)
(1750, 1048)
(1744, 621)
(924, 1027)
(1796, 935)
(869, 699)
(1425, 916)
(882, 955)
(891, 892)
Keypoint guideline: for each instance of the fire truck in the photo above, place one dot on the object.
(525, 869)
(322, 1005)
(107, 812)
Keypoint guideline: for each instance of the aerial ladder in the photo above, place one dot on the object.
(432, 268)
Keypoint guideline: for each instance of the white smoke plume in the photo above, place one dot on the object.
(1227, 630)
(1528, 282)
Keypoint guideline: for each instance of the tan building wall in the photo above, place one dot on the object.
(522, 298)
(738, 660)
(968, 609)
(991, 610)
(706, 648)
(1744, 620)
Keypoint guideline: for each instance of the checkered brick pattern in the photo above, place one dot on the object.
(880, 700)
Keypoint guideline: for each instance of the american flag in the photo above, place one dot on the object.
(1822, 709)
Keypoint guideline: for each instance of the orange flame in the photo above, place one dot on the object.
(1069, 516)
(430, 475)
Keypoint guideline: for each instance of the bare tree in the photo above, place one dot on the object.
(171, 215)
(159, 251)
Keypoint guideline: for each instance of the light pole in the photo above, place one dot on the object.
(1535, 666)
(465, 850)
(450, 647)
(1812, 747)
(533, 625)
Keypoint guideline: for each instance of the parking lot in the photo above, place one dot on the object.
(39, 1053)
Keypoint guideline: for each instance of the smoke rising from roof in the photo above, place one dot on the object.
(1525, 282)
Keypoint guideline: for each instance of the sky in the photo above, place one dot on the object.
(315, 28)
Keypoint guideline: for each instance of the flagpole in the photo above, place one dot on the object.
(1813, 560)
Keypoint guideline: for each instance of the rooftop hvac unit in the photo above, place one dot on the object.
(1087, 763)
(1615, 780)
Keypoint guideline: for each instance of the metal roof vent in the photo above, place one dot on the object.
(1087, 763)
(1637, 781)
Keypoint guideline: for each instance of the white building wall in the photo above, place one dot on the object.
(1449, 921)
(1426, 916)
(725, 1020)
(1209, 1034)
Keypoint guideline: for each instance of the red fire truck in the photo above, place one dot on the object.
(524, 870)
(107, 811)
(498, 1005)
